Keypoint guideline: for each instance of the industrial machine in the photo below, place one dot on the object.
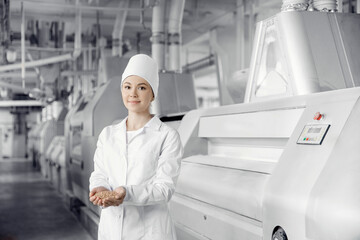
(55, 156)
(250, 169)
(33, 143)
(68, 141)
(96, 110)
(284, 164)
(51, 128)
(176, 97)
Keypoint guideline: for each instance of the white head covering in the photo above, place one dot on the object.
(143, 66)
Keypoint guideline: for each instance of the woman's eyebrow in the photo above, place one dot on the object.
(142, 84)
(127, 83)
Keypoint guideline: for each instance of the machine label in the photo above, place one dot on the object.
(313, 134)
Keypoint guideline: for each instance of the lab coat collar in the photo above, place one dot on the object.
(154, 123)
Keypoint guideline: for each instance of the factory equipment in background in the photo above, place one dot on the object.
(271, 167)
(302, 52)
(68, 139)
(97, 109)
(34, 144)
(55, 156)
(176, 97)
(51, 128)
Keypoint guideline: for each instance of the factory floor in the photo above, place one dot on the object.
(30, 208)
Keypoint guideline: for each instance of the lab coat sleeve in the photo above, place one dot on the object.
(162, 186)
(98, 177)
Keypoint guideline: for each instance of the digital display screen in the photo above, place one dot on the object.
(314, 130)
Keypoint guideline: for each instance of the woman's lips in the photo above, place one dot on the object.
(133, 102)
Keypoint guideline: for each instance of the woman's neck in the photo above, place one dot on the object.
(136, 121)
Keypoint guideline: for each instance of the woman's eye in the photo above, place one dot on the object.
(142, 88)
(127, 87)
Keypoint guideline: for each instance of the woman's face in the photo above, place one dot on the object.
(136, 94)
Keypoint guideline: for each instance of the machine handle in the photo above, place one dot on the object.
(80, 163)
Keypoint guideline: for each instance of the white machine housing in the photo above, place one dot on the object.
(250, 170)
(244, 172)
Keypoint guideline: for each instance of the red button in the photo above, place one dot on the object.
(318, 116)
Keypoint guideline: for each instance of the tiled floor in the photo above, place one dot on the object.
(31, 209)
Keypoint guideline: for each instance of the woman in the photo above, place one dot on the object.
(139, 160)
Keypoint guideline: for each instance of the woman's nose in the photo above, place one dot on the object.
(133, 93)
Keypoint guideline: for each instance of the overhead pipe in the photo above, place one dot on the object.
(19, 88)
(174, 34)
(117, 34)
(158, 34)
(82, 7)
(21, 103)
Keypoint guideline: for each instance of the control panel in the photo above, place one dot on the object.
(313, 134)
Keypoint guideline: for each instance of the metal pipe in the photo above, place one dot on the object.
(70, 73)
(158, 34)
(240, 34)
(90, 8)
(200, 64)
(50, 49)
(36, 63)
(21, 103)
(174, 34)
(30, 74)
(23, 44)
(77, 43)
(19, 88)
(117, 33)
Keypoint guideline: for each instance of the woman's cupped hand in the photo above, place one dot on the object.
(103, 197)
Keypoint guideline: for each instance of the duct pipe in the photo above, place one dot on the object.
(117, 33)
(174, 34)
(158, 34)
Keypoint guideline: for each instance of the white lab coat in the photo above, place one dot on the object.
(148, 167)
